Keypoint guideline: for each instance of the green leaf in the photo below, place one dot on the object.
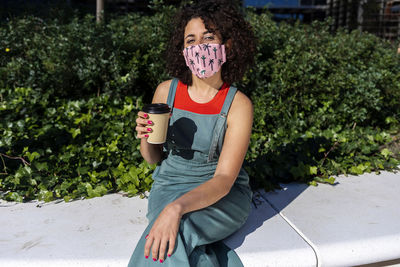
(45, 195)
(82, 170)
(386, 153)
(41, 166)
(75, 132)
(313, 170)
(14, 196)
(32, 156)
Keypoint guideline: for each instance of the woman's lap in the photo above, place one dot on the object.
(217, 221)
(199, 228)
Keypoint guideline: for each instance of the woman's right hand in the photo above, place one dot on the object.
(143, 125)
(152, 153)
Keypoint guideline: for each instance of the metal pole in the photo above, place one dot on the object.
(360, 15)
(99, 10)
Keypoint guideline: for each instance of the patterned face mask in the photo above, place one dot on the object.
(204, 60)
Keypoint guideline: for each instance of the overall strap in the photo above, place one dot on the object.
(172, 92)
(220, 126)
(228, 100)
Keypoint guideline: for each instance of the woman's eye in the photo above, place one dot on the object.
(189, 41)
(209, 37)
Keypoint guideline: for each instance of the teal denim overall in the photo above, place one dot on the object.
(194, 142)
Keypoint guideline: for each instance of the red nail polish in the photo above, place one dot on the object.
(146, 257)
(146, 135)
(145, 115)
(169, 255)
(149, 129)
(161, 261)
(146, 236)
(150, 122)
(154, 259)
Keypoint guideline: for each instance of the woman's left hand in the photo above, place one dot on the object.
(163, 232)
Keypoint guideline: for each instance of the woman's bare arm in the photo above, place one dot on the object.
(237, 137)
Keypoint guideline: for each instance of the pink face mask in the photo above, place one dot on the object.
(204, 60)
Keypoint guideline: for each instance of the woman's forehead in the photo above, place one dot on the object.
(197, 26)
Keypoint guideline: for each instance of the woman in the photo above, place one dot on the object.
(200, 193)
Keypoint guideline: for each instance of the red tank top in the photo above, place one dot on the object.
(184, 102)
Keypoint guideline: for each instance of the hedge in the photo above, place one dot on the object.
(325, 104)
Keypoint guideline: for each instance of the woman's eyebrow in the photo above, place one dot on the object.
(192, 35)
(189, 35)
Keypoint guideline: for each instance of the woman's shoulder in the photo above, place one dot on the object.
(241, 103)
(161, 93)
(241, 109)
(240, 116)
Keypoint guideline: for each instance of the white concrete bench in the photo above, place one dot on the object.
(355, 222)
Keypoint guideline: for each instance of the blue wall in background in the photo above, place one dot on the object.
(274, 3)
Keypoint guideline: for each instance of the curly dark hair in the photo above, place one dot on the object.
(218, 16)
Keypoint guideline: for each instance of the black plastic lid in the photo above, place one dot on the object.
(157, 108)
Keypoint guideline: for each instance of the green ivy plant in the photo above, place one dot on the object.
(69, 148)
(325, 104)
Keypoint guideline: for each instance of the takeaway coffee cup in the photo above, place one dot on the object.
(159, 115)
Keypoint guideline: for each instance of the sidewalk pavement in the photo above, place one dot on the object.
(354, 222)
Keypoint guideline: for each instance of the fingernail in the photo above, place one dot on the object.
(145, 115)
(150, 122)
(146, 236)
(154, 259)
(146, 135)
(149, 129)
(146, 257)
(161, 261)
(169, 255)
